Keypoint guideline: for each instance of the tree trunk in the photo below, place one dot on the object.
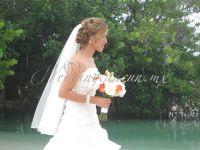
(2, 111)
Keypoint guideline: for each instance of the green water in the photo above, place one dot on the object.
(155, 135)
(131, 134)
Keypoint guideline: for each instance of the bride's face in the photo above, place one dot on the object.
(99, 41)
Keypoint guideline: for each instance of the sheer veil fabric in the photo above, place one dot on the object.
(50, 108)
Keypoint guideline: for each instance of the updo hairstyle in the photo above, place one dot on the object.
(90, 27)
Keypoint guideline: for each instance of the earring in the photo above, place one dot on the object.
(90, 41)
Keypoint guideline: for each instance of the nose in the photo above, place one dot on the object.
(106, 40)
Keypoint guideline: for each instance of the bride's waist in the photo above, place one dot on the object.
(80, 113)
(85, 91)
(74, 106)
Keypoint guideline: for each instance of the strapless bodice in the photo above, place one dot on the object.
(82, 113)
(88, 82)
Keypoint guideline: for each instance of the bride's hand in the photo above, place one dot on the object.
(101, 102)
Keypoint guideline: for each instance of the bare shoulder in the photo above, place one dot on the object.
(73, 72)
(76, 64)
(81, 63)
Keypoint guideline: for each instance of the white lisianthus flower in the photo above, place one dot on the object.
(110, 89)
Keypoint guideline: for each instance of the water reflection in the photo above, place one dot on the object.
(131, 134)
(18, 122)
(185, 133)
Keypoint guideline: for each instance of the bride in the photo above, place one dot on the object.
(67, 107)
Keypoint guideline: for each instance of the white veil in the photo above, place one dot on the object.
(50, 108)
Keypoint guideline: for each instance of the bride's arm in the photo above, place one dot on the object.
(72, 76)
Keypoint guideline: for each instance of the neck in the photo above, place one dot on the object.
(87, 51)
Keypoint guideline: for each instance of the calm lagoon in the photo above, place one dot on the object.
(132, 134)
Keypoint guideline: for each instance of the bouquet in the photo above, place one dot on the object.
(110, 87)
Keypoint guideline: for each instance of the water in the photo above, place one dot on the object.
(155, 135)
(16, 134)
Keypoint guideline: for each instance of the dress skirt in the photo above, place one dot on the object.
(80, 130)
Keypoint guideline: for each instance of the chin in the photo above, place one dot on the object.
(99, 50)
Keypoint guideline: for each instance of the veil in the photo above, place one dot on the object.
(50, 108)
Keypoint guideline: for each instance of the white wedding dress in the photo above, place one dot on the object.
(80, 128)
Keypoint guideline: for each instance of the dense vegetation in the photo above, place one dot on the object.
(150, 44)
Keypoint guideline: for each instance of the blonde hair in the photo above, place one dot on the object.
(90, 26)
